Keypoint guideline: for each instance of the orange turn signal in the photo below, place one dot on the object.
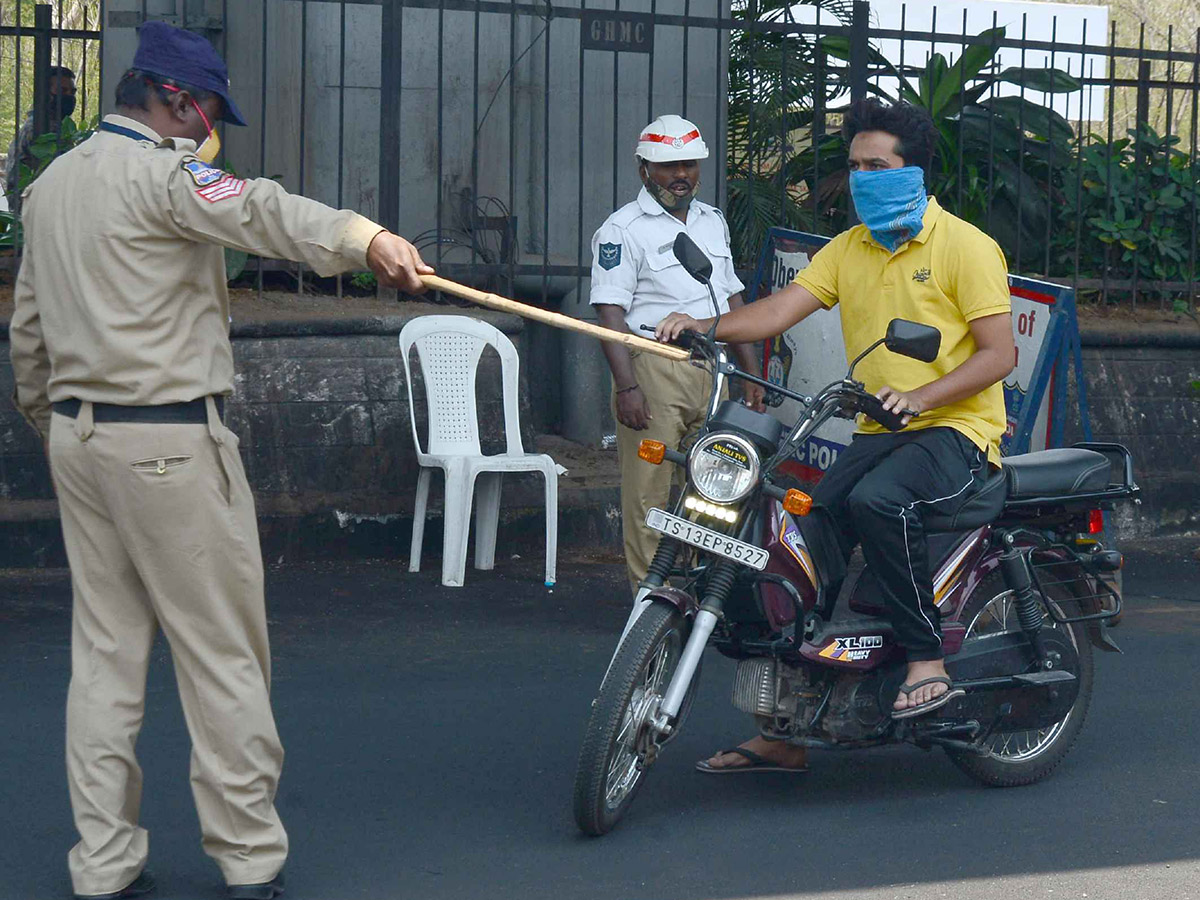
(653, 452)
(797, 502)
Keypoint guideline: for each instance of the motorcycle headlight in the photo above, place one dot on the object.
(723, 468)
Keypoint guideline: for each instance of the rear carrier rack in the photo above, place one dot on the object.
(1058, 578)
(1121, 484)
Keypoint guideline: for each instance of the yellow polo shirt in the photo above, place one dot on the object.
(947, 276)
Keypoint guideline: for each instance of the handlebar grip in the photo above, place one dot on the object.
(872, 407)
(685, 339)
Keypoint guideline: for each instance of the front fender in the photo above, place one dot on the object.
(681, 600)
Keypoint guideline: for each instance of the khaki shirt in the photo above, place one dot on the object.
(121, 294)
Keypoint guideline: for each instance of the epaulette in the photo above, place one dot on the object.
(626, 215)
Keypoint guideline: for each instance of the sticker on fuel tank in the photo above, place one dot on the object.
(729, 452)
(854, 648)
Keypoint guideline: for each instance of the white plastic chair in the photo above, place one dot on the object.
(449, 348)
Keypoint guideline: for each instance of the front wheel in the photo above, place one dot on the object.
(1023, 757)
(619, 744)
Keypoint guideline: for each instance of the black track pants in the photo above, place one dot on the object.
(876, 494)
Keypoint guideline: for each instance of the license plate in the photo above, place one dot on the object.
(707, 539)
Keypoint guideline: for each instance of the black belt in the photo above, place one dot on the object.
(190, 413)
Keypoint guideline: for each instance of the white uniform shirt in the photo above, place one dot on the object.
(634, 265)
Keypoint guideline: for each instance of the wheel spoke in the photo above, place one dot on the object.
(1017, 746)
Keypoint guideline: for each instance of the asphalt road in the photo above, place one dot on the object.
(432, 733)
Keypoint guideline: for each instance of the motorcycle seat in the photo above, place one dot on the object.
(978, 508)
(1057, 473)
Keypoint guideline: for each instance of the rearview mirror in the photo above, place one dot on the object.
(693, 259)
(913, 340)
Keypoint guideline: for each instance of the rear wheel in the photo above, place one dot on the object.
(1023, 757)
(619, 745)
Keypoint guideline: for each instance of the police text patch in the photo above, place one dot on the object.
(202, 174)
(610, 256)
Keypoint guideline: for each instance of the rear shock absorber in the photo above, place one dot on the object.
(1014, 564)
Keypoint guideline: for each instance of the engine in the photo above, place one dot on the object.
(785, 700)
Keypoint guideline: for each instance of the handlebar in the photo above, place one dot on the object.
(853, 399)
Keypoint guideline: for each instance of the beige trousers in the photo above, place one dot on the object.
(677, 393)
(160, 531)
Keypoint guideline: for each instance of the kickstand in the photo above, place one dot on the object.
(1004, 712)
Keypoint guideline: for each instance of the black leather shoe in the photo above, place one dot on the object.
(139, 887)
(264, 891)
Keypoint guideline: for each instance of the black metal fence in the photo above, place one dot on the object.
(35, 37)
(499, 135)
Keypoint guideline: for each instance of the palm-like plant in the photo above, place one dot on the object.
(775, 80)
(1000, 160)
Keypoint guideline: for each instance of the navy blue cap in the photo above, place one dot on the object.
(185, 57)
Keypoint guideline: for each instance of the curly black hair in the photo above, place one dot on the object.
(912, 126)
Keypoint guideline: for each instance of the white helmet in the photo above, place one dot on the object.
(670, 139)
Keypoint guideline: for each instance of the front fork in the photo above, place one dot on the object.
(719, 585)
(656, 577)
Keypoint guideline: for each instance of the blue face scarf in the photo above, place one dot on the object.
(891, 203)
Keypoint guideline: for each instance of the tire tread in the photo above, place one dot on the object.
(605, 720)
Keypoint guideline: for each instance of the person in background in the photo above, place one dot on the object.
(62, 104)
(122, 362)
(636, 281)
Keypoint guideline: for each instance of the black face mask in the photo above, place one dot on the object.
(66, 102)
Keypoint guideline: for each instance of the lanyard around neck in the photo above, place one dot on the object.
(125, 132)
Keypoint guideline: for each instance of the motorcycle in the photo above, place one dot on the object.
(1024, 587)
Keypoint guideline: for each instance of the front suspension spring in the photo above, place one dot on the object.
(720, 583)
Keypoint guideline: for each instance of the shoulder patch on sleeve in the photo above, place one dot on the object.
(226, 188)
(201, 173)
(609, 256)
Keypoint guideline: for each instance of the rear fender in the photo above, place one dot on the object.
(990, 562)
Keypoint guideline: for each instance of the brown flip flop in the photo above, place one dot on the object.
(759, 764)
(929, 705)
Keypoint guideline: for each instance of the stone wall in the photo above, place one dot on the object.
(322, 412)
(1139, 394)
(323, 416)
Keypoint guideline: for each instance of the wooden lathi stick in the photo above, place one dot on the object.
(558, 320)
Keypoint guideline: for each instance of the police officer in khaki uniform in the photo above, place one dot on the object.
(636, 282)
(122, 359)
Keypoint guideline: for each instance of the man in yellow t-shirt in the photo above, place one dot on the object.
(909, 259)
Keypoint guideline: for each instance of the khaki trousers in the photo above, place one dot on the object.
(677, 393)
(160, 531)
